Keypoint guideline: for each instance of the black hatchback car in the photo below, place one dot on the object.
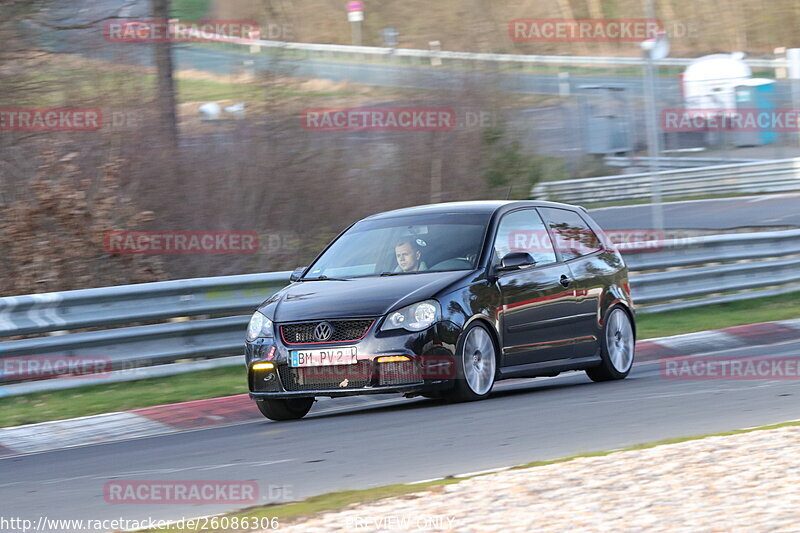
(442, 301)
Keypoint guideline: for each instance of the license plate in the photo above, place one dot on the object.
(325, 357)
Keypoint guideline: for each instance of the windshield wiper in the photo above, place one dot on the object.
(397, 273)
(324, 278)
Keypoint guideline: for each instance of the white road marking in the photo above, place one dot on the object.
(424, 481)
(135, 473)
(639, 397)
(718, 339)
(487, 471)
(793, 323)
(771, 197)
(72, 432)
(159, 471)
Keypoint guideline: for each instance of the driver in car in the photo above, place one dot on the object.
(409, 256)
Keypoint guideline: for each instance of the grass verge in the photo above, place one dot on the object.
(189, 9)
(123, 87)
(96, 399)
(769, 308)
(337, 500)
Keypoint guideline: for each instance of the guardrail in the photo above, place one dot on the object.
(144, 302)
(682, 284)
(745, 178)
(377, 51)
(674, 162)
(140, 345)
(734, 247)
(710, 269)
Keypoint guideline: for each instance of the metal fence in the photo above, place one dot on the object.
(211, 301)
(666, 162)
(743, 178)
(144, 302)
(665, 275)
(437, 56)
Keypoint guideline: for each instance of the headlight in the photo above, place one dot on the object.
(259, 326)
(414, 317)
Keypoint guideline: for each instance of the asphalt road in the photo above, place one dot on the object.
(779, 211)
(368, 442)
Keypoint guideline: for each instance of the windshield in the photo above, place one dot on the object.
(404, 245)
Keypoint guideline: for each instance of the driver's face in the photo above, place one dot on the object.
(407, 258)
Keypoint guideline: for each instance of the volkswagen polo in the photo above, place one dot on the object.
(443, 301)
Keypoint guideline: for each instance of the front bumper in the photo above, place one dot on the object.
(338, 393)
(430, 367)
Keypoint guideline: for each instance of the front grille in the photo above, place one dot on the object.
(326, 377)
(398, 373)
(343, 331)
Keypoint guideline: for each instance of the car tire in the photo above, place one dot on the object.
(476, 365)
(617, 349)
(290, 409)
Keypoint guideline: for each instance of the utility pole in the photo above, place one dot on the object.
(436, 179)
(793, 71)
(654, 48)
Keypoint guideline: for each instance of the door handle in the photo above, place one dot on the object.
(564, 281)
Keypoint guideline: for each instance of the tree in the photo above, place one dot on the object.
(508, 167)
(166, 84)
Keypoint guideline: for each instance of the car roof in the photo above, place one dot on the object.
(479, 206)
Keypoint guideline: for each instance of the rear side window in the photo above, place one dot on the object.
(572, 235)
(524, 231)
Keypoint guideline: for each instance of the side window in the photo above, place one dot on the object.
(524, 231)
(573, 236)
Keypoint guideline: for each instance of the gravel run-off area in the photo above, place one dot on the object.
(748, 482)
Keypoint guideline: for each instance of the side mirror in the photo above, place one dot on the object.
(297, 273)
(515, 261)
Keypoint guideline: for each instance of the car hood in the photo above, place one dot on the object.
(357, 297)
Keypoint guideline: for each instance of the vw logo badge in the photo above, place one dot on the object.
(323, 331)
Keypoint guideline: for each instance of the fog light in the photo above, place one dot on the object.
(392, 359)
(263, 366)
